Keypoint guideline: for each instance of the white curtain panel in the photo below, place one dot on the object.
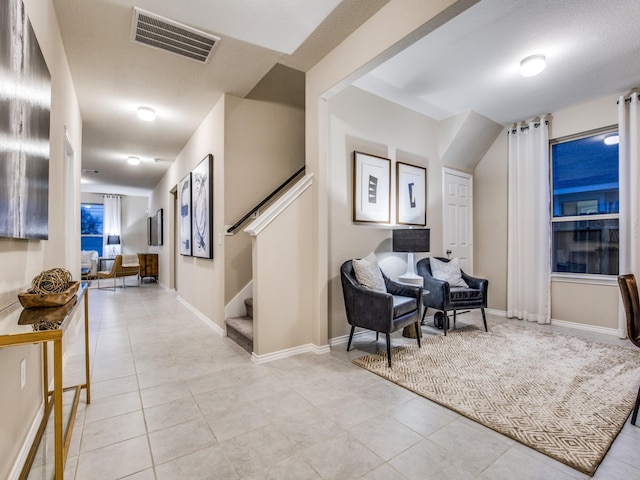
(629, 175)
(529, 236)
(112, 221)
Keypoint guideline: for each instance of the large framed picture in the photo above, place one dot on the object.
(202, 209)
(411, 194)
(371, 189)
(184, 202)
(25, 107)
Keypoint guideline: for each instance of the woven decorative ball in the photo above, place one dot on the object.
(55, 280)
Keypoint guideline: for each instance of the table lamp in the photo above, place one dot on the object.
(411, 240)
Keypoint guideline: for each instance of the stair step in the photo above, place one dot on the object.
(240, 330)
(248, 304)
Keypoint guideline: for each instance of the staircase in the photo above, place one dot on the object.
(240, 329)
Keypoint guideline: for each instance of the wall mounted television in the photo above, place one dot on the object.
(154, 229)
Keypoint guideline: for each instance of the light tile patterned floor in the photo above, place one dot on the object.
(174, 400)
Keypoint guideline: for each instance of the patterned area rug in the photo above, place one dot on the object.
(565, 397)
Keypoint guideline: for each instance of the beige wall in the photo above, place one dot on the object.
(395, 26)
(362, 122)
(197, 280)
(593, 304)
(251, 158)
(490, 222)
(264, 145)
(23, 259)
(277, 282)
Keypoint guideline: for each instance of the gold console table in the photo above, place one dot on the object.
(19, 326)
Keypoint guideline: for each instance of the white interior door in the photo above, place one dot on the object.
(457, 217)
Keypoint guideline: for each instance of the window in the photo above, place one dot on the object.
(91, 219)
(585, 207)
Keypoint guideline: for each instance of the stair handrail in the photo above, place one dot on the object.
(248, 215)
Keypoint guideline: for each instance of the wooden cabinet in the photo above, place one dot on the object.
(148, 265)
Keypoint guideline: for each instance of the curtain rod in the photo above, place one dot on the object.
(627, 96)
(514, 129)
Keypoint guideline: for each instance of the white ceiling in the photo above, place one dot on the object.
(470, 63)
(592, 49)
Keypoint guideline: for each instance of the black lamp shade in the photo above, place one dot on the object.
(113, 240)
(411, 240)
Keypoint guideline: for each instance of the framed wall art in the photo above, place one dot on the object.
(25, 103)
(184, 202)
(202, 209)
(411, 194)
(371, 189)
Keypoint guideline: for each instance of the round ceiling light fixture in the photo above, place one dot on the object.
(147, 114)
(133, 160)
(533, 65)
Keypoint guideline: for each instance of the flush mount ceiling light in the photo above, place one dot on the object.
(147, 114)
(133, 160)
(532, 65)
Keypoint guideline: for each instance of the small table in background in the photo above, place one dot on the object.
(102, 260)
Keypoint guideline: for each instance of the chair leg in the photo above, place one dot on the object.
(454, 319)
(377, 336)
(389, 349)
(484, 319)
(634, 415)
(424, 312)
(418, 332)
(445, 322)
(353, 327)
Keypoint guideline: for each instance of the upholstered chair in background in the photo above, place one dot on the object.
(458, 292)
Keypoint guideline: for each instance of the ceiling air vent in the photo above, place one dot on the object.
(165, 34)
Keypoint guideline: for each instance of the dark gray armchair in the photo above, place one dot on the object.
(378, 311)
(445, 298)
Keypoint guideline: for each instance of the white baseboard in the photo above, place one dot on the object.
(208, 322)
(345, 338)
(14, 474)
(499, 313)
(584, 326)
(567, 324)
(290, 352)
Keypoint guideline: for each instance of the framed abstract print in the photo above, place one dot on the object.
(184, 206)
(202, 209)
(411, 194)
(371, 189)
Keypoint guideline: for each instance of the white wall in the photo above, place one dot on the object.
(134, 212)
(21, 260)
